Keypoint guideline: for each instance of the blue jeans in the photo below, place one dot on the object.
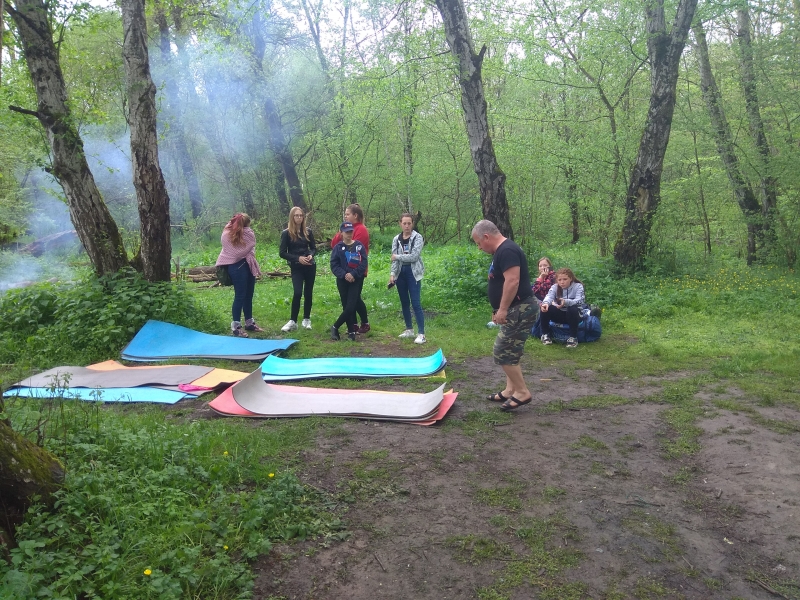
(244, 286)
(409, 290)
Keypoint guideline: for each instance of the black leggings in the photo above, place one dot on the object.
(350, 294)
(303, 275)
(361, 308)
(571, 316)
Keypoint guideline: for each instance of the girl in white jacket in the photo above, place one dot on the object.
(567, 299)
(406, 272)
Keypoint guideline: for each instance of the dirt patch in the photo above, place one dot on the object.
(554, 501)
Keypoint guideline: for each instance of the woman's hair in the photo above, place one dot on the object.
(236, 226)
(568, 273)
(548, 261)
(409, 215)
(296, 231)
(357, 211)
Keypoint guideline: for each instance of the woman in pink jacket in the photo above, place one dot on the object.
(239, 255)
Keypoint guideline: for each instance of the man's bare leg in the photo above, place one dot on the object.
(515, 383)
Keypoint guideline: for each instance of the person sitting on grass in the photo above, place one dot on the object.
(567, 299)
(349, 265)
(545, 280)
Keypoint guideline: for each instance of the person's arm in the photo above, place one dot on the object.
(283, 250)
(510, 289)
(579, 298)
(416, 242)
(361, 270)
(361, 234)
(336, 263)
(549, 298)
(312, 244)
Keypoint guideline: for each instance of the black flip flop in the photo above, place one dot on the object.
(498, 397)
(507, 406)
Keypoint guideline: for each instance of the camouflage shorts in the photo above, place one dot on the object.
(510, 342)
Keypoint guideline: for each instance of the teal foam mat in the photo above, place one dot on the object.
(282, 369)
(134, 394)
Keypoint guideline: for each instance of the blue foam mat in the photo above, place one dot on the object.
(282, 369)
(159, 341)
(135, 394)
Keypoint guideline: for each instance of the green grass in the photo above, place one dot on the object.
(161, 508)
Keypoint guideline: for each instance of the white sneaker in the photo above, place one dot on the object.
(420, 339)
(408, 333)
(306, 323)
(290, 326)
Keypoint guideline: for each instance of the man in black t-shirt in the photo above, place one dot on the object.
(515, 309)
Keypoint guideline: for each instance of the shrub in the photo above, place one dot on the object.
(92, 319)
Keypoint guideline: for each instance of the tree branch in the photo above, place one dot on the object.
(25, 111)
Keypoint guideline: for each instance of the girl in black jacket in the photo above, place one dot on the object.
(298, 249)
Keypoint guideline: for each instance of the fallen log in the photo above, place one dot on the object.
(40, 246)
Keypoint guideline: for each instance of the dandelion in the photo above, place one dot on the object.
(272, 475)
(148, 572)
(224, 547)
(225, 453)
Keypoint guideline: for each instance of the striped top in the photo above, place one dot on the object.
(231, 254)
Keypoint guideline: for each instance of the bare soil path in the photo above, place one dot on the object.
(555, 501)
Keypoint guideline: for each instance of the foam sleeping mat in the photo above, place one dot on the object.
(135, 394)
(226, 405)
(162, 341)
(257, 396)
(275, 368)
(122, 377)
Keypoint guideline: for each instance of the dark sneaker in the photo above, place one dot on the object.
(572, 342)
(239, 332)
(364, 328)
(351, 335)
(335, 333)
(546, 340)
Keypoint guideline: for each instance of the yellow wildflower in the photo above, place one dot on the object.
(272, 474)
(148, 572)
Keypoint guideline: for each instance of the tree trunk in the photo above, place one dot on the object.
(283, 154)
(177, 132)
(26, 470)
(89, 214)
(277, 139)
(644, 189)
(491, 178)
(148, 179)
(725, 145)
(769, 184)
(280, 187)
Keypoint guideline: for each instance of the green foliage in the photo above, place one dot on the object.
(92, 319)
(152, 509)
(456, 275)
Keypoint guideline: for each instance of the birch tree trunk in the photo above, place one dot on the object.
(664, 51)
(491, 179)
(93, 222)
(723, 138)
(151, 191)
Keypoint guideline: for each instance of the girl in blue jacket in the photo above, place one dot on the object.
(349, 265)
